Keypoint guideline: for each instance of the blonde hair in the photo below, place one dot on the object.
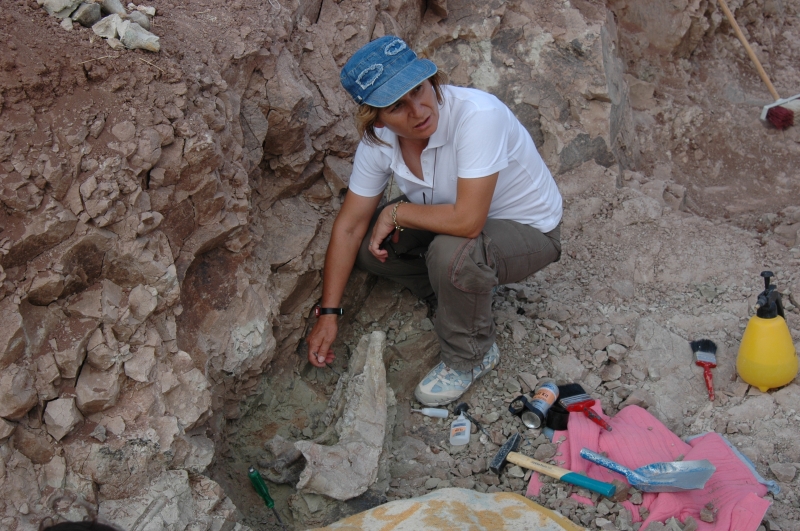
(367, 115)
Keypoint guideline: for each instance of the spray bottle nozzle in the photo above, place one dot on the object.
(767, 275)
(769, 304)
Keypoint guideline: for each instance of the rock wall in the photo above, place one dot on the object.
(165, 216)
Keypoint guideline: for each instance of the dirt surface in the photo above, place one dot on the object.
(693, 270)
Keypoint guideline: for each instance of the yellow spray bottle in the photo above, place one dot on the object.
(767, 357)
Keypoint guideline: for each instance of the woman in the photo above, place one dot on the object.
(479, 209)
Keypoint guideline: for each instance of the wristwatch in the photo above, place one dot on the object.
(327, 311)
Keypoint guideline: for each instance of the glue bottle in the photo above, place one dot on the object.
(459, 431)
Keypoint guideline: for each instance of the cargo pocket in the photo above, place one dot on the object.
(471, 268)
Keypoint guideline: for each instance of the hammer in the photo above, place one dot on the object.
(508, 453)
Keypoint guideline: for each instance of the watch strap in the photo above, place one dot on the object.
(327, 311)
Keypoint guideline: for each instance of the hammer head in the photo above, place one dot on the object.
(499, 460)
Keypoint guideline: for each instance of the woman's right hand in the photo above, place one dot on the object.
(320, 340)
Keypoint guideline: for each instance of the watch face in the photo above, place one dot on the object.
(316, 311)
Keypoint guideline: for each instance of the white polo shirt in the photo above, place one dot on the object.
(477, 136)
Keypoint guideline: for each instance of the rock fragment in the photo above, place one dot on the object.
(112, 7)
(134, 37)
(785, 472)
(17, 393)
(107, 26)
(12, 336)
(60, 8)
(61, 416)
(6, 429)
(87, 15)
(97, 390)
(140, 18)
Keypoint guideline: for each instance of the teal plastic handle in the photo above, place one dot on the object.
(600, 487)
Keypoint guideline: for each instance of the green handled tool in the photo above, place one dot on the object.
(261, 489)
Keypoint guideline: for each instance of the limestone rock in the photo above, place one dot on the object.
(140, 365)
(173, 500)
(568, 366)
(191, 400)
(12, 336)
(47, 376)
(167, 430)
(87, 14)
(611, 372)
(290, 103)
(788, 397)
(757, 407)
(139, 18)
(55, 472)
(6, 429)
(99, 354)
(124, 131)
(144, 261)
(68, 344)
(785, 472)
(60, 8)
(61, 416)
(97, 390)
(134, 37)
(638, 210)
(17, 393)
(46, 288)
(81, 259)
(337, 174)
(251, 342)
(142, 302)
(107, 26)
(347, 469)
(194, 453)
(32, 235)
(112, 7)
(660, 349)
(34, 443)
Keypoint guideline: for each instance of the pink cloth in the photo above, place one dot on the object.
(639, 439)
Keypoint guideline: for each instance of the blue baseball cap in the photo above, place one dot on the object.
(382, 71)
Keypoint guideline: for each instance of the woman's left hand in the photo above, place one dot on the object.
(383, 228)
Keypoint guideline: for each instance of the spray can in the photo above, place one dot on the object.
(544, 396)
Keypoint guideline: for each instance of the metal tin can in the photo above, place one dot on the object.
(544, 396)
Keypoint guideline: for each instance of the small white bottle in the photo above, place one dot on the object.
(433, 412)
(459, 431)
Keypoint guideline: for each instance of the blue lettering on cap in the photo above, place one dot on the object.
(394, 47)
(369, 75)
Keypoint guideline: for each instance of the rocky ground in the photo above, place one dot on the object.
(633, 269)
(165, 213)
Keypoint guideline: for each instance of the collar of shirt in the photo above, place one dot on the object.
(438, 139)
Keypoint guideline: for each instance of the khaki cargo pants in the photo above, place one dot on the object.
(460, 273)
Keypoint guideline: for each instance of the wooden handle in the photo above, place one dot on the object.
(749, 50)
(606, 489)
(543, 468)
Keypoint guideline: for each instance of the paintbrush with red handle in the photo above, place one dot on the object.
(583, 403)
(705, 356)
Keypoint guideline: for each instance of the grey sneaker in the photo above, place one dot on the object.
(443, 385)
